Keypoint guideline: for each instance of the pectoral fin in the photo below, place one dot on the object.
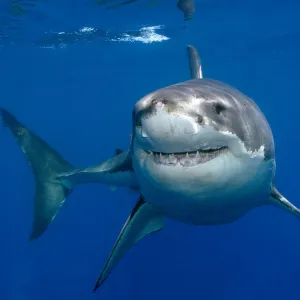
(282, 202)
(143, 220)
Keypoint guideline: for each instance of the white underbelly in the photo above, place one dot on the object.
(218, 191)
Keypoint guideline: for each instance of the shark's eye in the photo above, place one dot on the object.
(219, 108)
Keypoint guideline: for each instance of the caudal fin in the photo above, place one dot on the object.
(46, 164)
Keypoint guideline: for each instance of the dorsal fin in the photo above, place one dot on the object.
(194, 63)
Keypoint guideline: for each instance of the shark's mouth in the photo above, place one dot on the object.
(186, 159)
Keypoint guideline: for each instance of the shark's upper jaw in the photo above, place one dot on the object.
(186, 159)
(177, 139)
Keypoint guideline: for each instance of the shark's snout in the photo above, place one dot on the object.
(175, 136)
(165, 125)
(167, 128)
(164, 118)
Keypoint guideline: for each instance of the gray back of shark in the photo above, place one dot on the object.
(56, 178)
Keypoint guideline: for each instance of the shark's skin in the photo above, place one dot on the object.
(201, 152)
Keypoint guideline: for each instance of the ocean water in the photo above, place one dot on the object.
(72, 71)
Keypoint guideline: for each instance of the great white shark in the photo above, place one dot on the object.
(201, 152)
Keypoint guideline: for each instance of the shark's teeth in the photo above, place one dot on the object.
(187, 159)
(189, 153)
(172, 160)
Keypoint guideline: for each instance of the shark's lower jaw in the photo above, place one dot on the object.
(186, 159)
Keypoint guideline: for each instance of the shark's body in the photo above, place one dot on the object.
(221, 168)
(201, 152)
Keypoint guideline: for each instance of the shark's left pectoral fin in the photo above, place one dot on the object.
(143, 220)
(282, 202)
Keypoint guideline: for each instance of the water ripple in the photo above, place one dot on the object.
(145, 34)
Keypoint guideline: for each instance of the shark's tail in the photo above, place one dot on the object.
(45, 163)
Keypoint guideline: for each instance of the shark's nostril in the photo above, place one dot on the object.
(200, 120)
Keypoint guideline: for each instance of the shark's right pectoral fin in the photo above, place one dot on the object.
(143, 220)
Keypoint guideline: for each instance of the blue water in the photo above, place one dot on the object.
(77, 90)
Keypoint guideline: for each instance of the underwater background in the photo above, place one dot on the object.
(72, 72)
